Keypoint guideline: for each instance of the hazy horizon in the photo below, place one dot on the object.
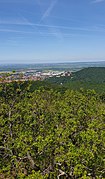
(53, 62)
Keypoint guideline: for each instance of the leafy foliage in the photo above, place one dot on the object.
(49, 134)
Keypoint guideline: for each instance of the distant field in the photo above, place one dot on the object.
(72, 66)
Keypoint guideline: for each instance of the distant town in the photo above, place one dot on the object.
(32, 75)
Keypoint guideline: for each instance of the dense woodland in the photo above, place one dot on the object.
(87, 78)
(50, 131)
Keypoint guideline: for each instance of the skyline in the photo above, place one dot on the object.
(47, 31)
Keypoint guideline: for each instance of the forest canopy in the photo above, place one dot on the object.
(50, 133)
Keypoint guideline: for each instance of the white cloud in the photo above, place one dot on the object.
(46, 29)
(25, 22)
(49, 9)
(15, 31)
(97, 1)
(14, 22)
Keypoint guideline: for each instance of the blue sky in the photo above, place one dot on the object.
(46, 31)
